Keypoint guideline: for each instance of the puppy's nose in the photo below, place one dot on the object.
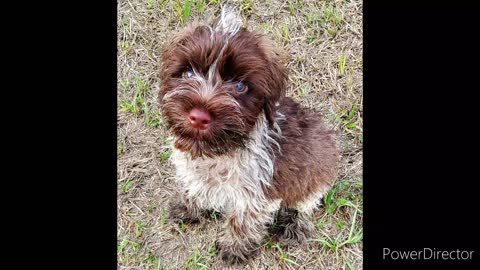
(199, 119)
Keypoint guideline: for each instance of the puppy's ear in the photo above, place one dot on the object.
(163, 76)
(165, 69)
(169, 63)
(277, 76)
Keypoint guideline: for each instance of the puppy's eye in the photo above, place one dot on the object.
(240, 87)
(188, 74)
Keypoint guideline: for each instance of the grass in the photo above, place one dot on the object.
(138, 104)
(125, 46)
(352, 112)
(247, 5)
(164, 156)
(283, 34)
(332, 18)
(183, 226)
(291, 8)
(327, 18)
(200, 5)
(153, 262)
(341, 64)
(304, 91)
(332, 200)
(127, 242)
(283, 257)
(152, 206)
(163, 219)
(332, 14)
(128, 186)
(139, 229)
(214, 215)
(184, 9)
(325, 67)
(120, 148)
(321, 224)
(286, 36)
(125, 83)
(335, 243)
(211, 250)
(122, 246)
(150, 4)
(341, 200)
(197, 261)
(350, 120)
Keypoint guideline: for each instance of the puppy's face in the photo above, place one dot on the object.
(216, 81)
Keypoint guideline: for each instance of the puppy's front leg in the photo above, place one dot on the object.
(183, 209)
(242, 235)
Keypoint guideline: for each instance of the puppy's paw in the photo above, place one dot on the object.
(236, 253)
(179, 212)
(297, 232)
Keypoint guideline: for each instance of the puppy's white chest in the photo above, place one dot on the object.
(222, 184)
(230, 182)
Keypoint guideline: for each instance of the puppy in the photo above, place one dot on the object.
(240, 146)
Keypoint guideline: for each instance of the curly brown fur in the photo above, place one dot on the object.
(308, 162)
(293, 226)
(236, 252)
(182, 210)
(256, 150)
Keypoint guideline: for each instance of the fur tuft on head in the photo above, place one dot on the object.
(230, 22)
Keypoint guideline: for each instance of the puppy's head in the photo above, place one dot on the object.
(215, 83)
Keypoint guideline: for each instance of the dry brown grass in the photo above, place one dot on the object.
(317, 36)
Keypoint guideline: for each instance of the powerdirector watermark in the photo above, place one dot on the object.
(427, 254)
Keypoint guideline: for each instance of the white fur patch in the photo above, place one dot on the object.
(230, 23)
(311, 203)
(204, 87)
(231, 183)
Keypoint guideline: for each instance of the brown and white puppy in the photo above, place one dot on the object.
(240, 146)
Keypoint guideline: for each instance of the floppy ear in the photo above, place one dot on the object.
(278, 78)
(164, 75)
(165, 66)
(169, 63)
